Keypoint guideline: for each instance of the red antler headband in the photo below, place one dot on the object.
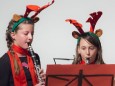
(29, 8)
(93, 20)
(36, 9)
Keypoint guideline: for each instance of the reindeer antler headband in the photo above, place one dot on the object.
(29, 8)
(92, 20)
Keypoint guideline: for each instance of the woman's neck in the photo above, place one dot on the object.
(19, 51)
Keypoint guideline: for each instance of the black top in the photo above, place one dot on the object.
(6, 78)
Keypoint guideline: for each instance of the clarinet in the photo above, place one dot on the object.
(36, 64)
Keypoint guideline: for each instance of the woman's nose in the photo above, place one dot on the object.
(88, 52)
(30, 36)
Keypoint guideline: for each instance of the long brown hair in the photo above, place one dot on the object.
(93, 40)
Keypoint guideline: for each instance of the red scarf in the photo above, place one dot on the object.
(20, 79)
(83, 62)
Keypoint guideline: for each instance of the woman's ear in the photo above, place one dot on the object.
(12, 34)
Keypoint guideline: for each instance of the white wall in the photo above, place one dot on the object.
(52, 37)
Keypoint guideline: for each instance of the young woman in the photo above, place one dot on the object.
(17, 66)
(88, 49)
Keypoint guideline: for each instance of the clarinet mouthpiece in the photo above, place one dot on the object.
(87, 60)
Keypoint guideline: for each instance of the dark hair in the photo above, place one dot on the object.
(10, 40)
(93, 39)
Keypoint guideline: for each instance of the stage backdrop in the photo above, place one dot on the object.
(52, 37)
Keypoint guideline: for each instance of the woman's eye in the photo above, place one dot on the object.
(83, 48)
(25, 33)
(92, 48)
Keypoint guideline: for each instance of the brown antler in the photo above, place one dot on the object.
(76, 24)
(36, 9)
(30, 8)
(42, 8)
(93, 19)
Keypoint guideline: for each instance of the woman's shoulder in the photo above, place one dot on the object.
(4, 57)
(4, 60)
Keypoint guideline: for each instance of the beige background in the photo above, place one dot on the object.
(52, 37)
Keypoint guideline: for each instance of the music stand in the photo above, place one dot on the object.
(67, 59)
(80, 75)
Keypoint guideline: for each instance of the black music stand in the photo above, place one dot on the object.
(57, 77)
(67, 59)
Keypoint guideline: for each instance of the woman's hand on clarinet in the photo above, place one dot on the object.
(43, 76)
(40, 84)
